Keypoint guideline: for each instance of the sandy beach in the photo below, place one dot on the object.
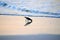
(14, 25)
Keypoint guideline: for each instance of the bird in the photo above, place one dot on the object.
(28, 12)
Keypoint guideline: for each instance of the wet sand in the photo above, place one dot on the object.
(14, 25)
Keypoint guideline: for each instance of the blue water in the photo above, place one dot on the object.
(33, 13)
(31, 37)
(56, 16)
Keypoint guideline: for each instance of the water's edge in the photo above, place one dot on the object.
(30, 37)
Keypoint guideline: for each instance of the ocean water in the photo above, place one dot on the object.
(44, 8)
(35, 8)
(31, 37)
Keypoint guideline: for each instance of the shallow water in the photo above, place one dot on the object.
(31, 37)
